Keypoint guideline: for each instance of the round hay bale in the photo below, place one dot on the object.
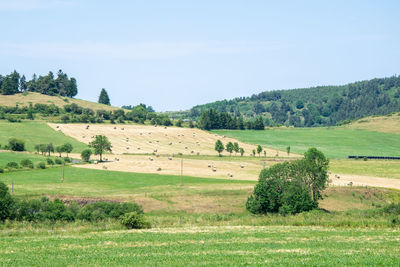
(169, 158)
(158, 169)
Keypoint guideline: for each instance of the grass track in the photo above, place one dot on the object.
(223, 246)
(335, 142)
(36, 133)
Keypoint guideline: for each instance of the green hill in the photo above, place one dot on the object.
(316, 106)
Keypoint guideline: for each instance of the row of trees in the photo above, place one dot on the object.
(49, 84)
(49, 148)
(211, 119)
(234, 147)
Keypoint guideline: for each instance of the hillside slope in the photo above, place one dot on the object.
(24, 99)
(316, 106)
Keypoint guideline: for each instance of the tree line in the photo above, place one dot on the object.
(61, 85)
(212, 119)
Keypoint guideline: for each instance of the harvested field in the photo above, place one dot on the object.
(142, 139)
(191, 167)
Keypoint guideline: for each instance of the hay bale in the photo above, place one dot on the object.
(151, 159)
(170, 143)
(115, 128)
(169, 158)
(104, 167)
(165, 127)
(209, 165)
(241, 166)
(87, 127)
(158, 169)
(155, 150)
(186, 147)
(350, 184)
(150, 142)
(58, 127)
(214, 169)
(192, 152)
(138, 148)
(122, 129)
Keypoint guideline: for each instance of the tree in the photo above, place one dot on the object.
(259, 150)
(236, 147)
(43, 148)
(259, 123)
(288, 150)
(254, 152)
(179, 123)
(22, 84)
(50, 148)
(316, 165)
(6, 202)
(265, 153)
(59, 150)
(85, 155)
(219, 147)
(100, 144)
(16, 145)
(103, 98)
(229, 148)
(67, 148)
(241, 151)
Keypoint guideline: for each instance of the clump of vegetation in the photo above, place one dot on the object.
(41, 165)
(15, 144)
(6, 202)
(100, 144)
(12, 165)
(27, 163)
(85, 155)
(291, 187)
(58, 161)
(134, 220)
(219, 147)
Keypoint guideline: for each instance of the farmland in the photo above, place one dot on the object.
(194, 246)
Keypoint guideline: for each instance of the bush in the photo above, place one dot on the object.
(58, 161)
(27, 163)
(134, 220)
(85, 155)
(41, 165)
(49, 161)
(12, 165)
(6, 202)
(16, 145)
(67, 160)
(100, 210)
(1, 170)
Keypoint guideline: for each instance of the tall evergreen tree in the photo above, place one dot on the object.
(103, 98)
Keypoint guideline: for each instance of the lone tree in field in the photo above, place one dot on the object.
(288, 150)
(254, 152)
(85, 155)
(259, 150)
(67, 148)
(236, 147)
(103, 98)
(229, 148)
(219, 147)
(241, 150)
(100, 145)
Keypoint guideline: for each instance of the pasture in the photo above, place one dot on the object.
(334, 142)
(35, 133)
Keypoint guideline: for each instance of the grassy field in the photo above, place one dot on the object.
(378, 168)
(6, 157)
(335, 142)
(203, 246)
(36, 133)
(36, 98)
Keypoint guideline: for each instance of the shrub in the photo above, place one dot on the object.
(16, 144)
(85, 155)
(27, 163)
(41, 165)
(67, 160)
(134, 220)
(58, 161)
(49, 161)
(12, 165)
(100, 210)
(6, 202)
(1, 170)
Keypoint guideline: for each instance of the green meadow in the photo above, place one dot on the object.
(334, 142)
(35, 133)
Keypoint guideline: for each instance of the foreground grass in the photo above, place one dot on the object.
(335, 142)
(35, 133)
(194, 246)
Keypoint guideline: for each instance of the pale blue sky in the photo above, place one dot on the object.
(176, 54)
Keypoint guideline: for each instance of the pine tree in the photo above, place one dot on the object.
(103, 98)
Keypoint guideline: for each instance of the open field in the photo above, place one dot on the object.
(36, 98)
(147, 139)
(35, 133)
(334, 142)
(200, 246)
(384, 124)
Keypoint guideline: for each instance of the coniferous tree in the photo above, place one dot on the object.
(103, 98)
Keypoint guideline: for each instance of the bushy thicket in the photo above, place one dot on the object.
(43, 209)
(290, 187)
(134, 220)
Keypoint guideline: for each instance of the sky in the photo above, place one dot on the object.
(173, 55)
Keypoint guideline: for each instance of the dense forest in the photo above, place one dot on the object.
(49, 84)
(316, 106)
